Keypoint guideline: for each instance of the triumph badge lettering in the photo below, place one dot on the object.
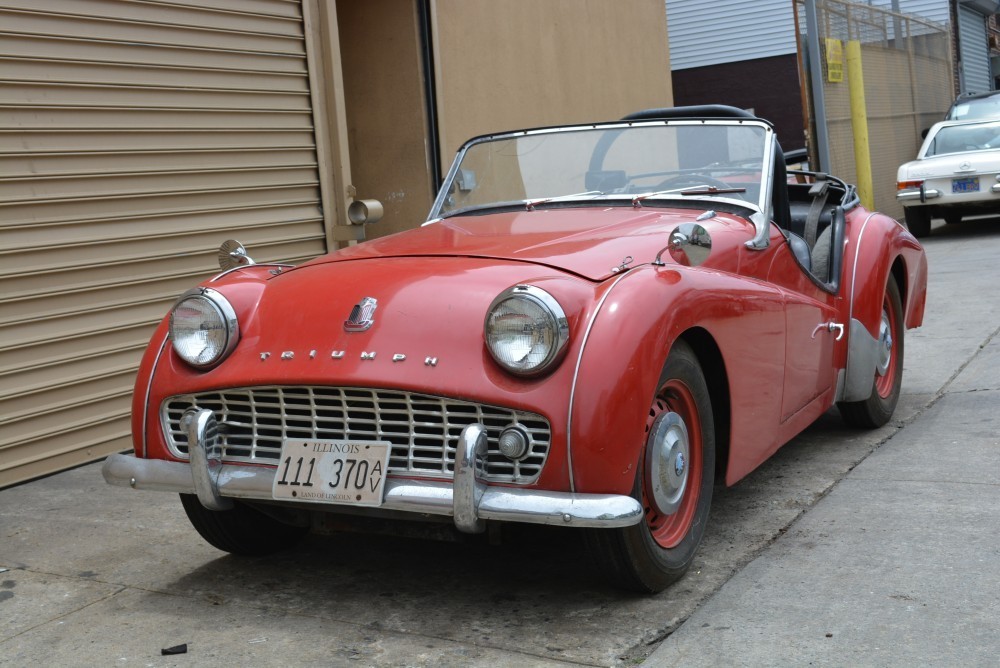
(361, 315)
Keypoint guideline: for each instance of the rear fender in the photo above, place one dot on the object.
(881, 247)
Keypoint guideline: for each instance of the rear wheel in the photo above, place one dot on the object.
(918, 220)
(674, 479)
(241, 530)
(876, 410)
(953, 218)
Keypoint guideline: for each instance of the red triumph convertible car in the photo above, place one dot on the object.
(593, 323)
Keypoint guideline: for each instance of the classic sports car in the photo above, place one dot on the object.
(594, 322)
(956, 173)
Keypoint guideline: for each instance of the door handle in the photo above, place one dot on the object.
(830, 327)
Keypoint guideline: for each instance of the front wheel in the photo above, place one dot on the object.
(241, 530)
(674, 479)
(876, 410)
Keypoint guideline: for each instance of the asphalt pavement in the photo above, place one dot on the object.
(847, 548)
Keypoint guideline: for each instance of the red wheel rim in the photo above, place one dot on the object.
(669, 530)
(885, 382)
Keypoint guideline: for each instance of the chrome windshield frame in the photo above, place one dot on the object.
(760, 212)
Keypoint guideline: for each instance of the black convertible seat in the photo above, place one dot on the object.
(799, 211)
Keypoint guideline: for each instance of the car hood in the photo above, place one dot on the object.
(589, 242)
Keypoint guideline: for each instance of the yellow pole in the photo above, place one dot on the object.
(859, 121)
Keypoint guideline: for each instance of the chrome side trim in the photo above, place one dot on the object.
(205, 453)
(149, 390)
(862, 361)
(854, 269)
(605, 511)
(223, 274)
(576, 376)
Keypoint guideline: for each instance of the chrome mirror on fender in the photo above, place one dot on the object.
(232, 254)
(690, 245)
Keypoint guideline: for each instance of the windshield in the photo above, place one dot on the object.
(964, 138)
(635, 163)
(982, 107)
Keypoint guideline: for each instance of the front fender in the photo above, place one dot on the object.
(642, 314)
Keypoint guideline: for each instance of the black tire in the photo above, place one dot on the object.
(918, 220)
(878, 408)
(635, 557)
(953, 218)
(241, 530)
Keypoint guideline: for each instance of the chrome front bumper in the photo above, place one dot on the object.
(468, 500)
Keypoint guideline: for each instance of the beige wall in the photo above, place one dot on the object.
(386, 113)
(509, 64)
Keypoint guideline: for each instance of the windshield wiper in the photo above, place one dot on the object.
(690, 190)
(712, 190)
(530, 204)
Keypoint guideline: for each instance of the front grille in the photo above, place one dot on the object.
(424, 430)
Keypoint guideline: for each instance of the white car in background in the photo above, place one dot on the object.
(956, 173)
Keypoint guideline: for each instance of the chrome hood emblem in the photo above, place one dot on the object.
(361, 317)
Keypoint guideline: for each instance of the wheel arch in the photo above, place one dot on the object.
(713, 366)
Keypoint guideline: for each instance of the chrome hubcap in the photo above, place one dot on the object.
(667, 454)
(884, 345)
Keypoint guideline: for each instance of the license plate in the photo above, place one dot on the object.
(344, 472)
(967, 185)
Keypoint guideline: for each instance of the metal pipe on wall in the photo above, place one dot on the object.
(815, 56)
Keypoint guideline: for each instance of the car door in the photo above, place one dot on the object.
(812, 329)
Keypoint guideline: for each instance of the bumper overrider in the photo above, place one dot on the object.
(468, 499)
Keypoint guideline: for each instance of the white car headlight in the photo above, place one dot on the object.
(203, 327)
(526, 330)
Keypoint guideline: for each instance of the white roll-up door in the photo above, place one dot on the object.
(135, 137)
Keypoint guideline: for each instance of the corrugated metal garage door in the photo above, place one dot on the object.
(974, 45)
(135, 136)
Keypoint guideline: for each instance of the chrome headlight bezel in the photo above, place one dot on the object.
(225, 320)
(555, 329)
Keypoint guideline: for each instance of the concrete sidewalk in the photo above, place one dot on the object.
(899, 565)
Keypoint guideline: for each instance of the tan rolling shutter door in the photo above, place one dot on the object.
(135, 137)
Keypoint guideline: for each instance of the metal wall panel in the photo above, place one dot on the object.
(134, 138)
(710, 33)
(975, 54)
(728, 31)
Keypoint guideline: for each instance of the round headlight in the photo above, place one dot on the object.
(526, 330)
(203, 327)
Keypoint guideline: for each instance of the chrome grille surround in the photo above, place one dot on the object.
(424, 430)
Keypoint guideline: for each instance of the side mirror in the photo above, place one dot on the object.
(923, 133)
(365, 211)
(232, 254)
(689, 245)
